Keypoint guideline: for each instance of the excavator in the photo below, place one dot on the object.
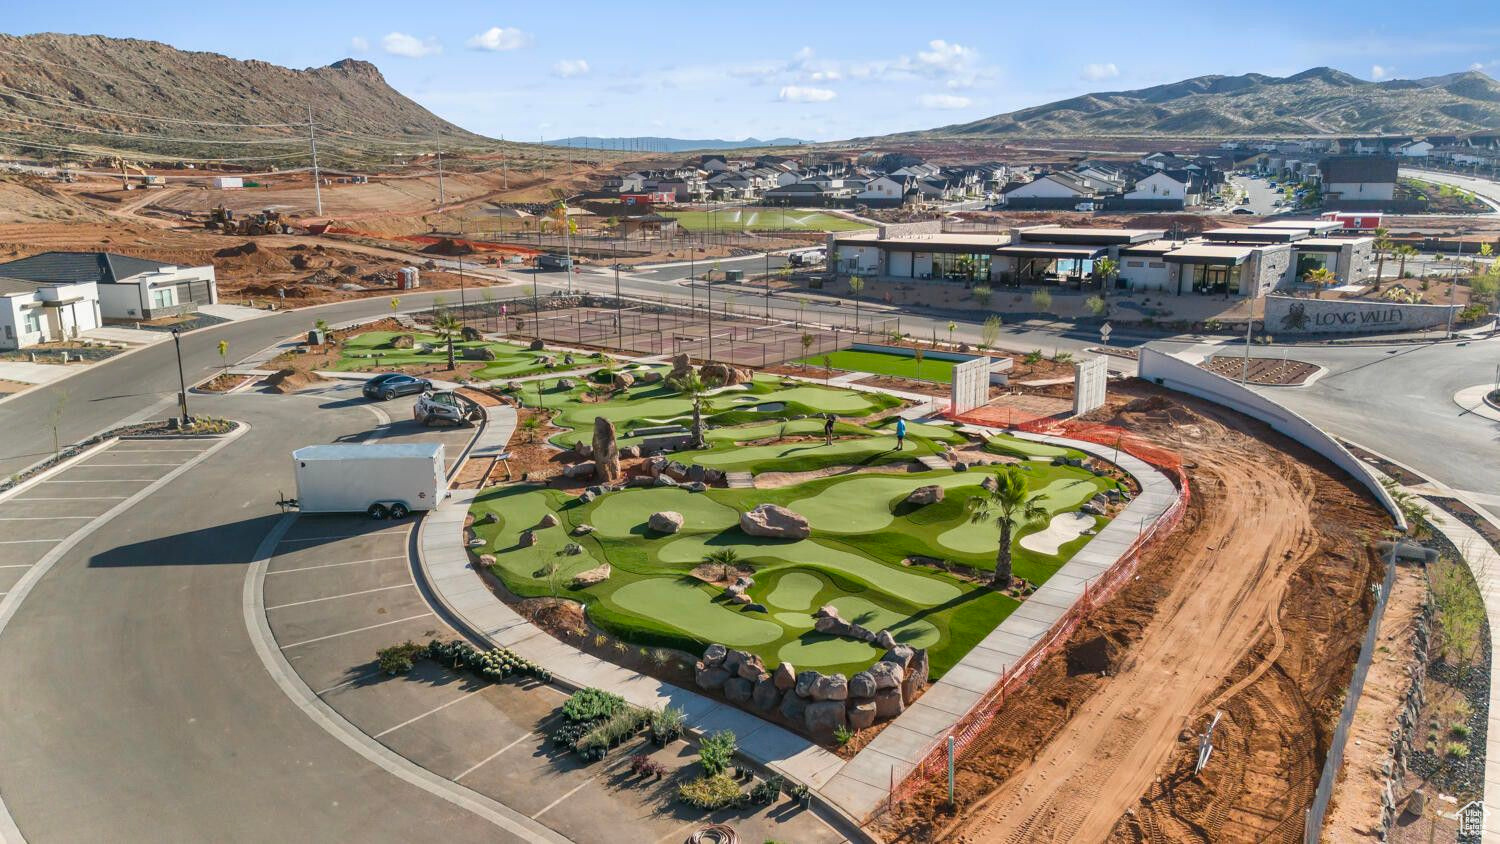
(268, 221)
(126, 168)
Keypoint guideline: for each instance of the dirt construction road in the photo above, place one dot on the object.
(1271, 539)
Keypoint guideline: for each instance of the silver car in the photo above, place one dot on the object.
(446, 406)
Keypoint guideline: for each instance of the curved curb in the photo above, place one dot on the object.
(1476, 400)
(333, 723)
(9, 832)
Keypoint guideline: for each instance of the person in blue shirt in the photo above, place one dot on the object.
(900, 434)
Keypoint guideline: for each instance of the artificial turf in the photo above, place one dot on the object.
(886, 363)
(372, 350)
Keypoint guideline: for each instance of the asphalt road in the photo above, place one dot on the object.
(136, 708)
(1486, 190)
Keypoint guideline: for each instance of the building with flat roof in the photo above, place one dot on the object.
(33, 312)
(128, 288)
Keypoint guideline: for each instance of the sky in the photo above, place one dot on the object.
(821, 70)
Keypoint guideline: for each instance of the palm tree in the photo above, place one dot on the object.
(856, 287)
(1404, 251)
(448, 326)
(1383, 247)
(690, 385)
(1008, 504)
(1319, 278)
(727, 559)
(1106, 269)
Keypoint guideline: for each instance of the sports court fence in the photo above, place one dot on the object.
(981, 716)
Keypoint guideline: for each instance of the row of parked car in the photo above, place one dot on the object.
(433, 407)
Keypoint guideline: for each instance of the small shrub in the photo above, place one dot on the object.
(710, 792)
(1460, 731)
(765, 792)
(842, 735)
(716, 751)
(398, 659)
(1062, 357)
(591, 705)
(666, 724)
(1456, 749)
(1033, 357)
(642, 765)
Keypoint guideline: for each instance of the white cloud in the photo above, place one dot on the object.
(1378, 72)
(830, 75)
(805, 94)
(945, 57)
(1097, 72)
(499, 38)
(945, 101)
(359, 43)
(568, 68)
(401, 44)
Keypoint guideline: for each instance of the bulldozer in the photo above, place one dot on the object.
(268, 221)
(219, 218)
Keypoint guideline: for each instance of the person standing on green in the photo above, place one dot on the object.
(828, 429)
(900, 433)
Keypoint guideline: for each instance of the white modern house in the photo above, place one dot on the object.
(33, 312)
(126, 289)
(1415, 149)
(1159, 187)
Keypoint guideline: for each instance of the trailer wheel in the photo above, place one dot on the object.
(399, 511)
(378, 511)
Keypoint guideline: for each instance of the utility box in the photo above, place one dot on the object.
(315, 337)
(384, 481)
(408, 278)
(734, 275)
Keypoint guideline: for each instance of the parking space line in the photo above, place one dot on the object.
(26, 541)
(401, 532)
(409, 721)
(355, 630)
(42, 518)
(100, 481)
(119, 465)
(490, 758)
(345, 595)
(367, 675)
(336, 565)
(78, 498)
(572, 791)
(157, 450)
(17, 566)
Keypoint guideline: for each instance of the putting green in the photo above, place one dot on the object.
(795, 620)
(762, 430)
(1062, 494)
(855, 451)
(689, 608)
(623, 514)
(907, 630)
(1017, 447)
(795, 591)
(926, 591)
(813, 650)
(863, 503)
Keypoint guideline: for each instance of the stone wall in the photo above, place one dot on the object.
(1295, 315)
(1405, 737)
(814, 703)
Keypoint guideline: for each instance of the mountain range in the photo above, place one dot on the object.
(1319, 101)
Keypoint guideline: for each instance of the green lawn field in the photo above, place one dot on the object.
(763, 219)
(372, 351)
(884, 363)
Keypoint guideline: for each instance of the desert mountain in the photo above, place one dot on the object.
(53, 87)
(1315, 102)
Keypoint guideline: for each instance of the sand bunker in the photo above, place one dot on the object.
(1064, 528)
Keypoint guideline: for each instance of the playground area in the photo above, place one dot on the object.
(728, 337)
(666, 589)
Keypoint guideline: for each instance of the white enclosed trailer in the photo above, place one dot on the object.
(381, 480)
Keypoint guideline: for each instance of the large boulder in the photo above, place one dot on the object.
(621, 380)
(901, 655)
(630, 451)
(862, 685)
(990, 483)
(751, 668)
(403, 341)
(663, 480)
(606, 451)
(528, 539)
(580, 470)
(924, 495)
(487, 519)
(478, 353)
(733, 659)
(680, 365)
(831, 687)
(884, 639)
(650, 376)
(916, 676)
(549, 520)
(695, 473)
(805, 681)
(666, 521)
(785, 676)
(793, 707)
(864, 634)
(582, 530)
(714, 373)
(887, 675)
(709, 677)
(738, 690)
(714, 655)
(598, 574)
(776, 522)
(537, 345)
(823, 717)
(889, 704)
(862, 714)
(766, 696)
(831, 626)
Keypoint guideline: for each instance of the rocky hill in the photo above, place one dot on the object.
(1319, 101)
(100, 93)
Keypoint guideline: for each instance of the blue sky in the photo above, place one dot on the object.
(820, 70)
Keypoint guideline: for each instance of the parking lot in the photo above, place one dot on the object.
(340, 587)
(36, 518)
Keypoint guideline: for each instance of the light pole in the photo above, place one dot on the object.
(619, 342)
(181, 380)
(768, 284)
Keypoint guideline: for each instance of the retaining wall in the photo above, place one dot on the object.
(1184, 377)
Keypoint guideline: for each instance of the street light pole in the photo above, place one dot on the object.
(619, 342)
(181, 380)
(768, 284)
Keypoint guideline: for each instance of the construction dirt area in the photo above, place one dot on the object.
(1254, 606)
